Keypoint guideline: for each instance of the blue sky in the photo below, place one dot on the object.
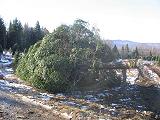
(136, 20)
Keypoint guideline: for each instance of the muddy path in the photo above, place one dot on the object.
(12, 108)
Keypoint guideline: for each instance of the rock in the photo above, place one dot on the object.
(84, 107)
(101, 95)
(125, 99)
(88, 96)
(21, 117)
(1, 76)
(71, 103)
(102, 107)
(66, 116)
(113, 104)
(31, 112)
(1, 113)
(60, 95)
(116, 89)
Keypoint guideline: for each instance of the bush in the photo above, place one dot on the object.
(16, 59)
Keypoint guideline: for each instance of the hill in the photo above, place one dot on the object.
(143, 47)
(132, 44)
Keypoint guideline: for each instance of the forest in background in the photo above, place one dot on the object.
(18, 37)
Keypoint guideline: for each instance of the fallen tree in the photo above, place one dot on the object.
(66, 58)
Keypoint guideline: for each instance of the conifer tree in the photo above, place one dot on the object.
(122, 53)
(127, 51)
(2, 34)
(135, 53)
(115, 52)
(38, 32)
(14, 39)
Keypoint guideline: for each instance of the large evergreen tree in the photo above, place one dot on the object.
(68, 58)
(32, 35)
(2, 33)
(26, 36)
(38, 32)
(14, 39)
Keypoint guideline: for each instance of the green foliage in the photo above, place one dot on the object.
(14, 36)
(115, 52)
(66, 58)
(135, 54)
(18, 37)
(52, 73)
(2, 34)
(1, 49)
(16, 59)
(104, 53)
(158, 61)
(152, 58)
(126, 53)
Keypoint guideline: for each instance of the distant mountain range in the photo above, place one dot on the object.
(131, 44)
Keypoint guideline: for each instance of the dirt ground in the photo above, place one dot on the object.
(14, 109)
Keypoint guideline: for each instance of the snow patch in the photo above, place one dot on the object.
(132, 74)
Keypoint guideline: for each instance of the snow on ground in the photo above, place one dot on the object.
(83, 101)
(132, 74)
(13, 86)
(9, 70)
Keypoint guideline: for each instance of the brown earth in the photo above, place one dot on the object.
(14, 109)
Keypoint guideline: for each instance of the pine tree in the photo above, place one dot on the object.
(10, 36)
(136, 53)
(2, 34)
(44, 31)
(115, 52)
(14, 39)
(150, 56)
(127, 51)
(1, 49)
(27, 37)
(122, 53)
(38, 32)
